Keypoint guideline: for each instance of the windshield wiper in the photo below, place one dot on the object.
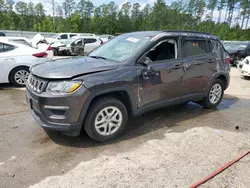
(98, 57)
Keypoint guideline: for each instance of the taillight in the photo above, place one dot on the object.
(40, 55)
(49, 48)
(227, 60)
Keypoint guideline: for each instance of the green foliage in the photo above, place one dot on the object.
(83, 16)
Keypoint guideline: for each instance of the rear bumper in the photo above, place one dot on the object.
(59, 113)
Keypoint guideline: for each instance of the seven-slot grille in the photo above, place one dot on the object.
(36, 84)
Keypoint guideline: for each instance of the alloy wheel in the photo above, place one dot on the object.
(108, 121)
(215, 93)
(21, 76)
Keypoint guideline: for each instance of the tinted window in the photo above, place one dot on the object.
(87, 41)
(194, 47)
(64, 36)
(72, 35)
(6, 47)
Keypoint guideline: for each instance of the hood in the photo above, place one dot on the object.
(70, 67)
(57, 44)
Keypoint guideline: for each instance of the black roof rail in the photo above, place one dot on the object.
(186, 31)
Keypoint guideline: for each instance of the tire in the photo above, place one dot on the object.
(96, 115)
(55, 52)
(208, 101)
(18, 76)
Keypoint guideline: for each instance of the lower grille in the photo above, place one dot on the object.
(36, 84)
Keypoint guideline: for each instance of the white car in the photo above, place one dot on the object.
(15, 61)
(66, 36)
(38, 41)
(244, 67)
(76, 44)
(90, 43)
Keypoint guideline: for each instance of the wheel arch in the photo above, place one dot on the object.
(13, 68)
(121, 93)
(222, 76)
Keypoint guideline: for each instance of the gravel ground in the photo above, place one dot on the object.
(172, 147)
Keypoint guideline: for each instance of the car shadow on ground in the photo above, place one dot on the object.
(8, 86)
(166, 118)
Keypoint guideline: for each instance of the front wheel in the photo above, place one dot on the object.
(106, 119)
(214, 96)
(18, 76)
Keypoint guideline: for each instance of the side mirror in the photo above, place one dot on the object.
(146, 61)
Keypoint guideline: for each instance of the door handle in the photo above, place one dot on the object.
(210, 61)
(177, 66)
(198, 63)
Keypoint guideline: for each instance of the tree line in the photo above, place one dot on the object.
(227, 19)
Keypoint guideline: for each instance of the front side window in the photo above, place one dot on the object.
(194, 47)
(6, 47)
(164, 50)
(64, 36)
(122, 47)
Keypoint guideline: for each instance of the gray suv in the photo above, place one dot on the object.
(131, 74)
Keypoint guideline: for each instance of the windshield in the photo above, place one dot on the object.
(121, 48)
(55, 36)
(236, 46)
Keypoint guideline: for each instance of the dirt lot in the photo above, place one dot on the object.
(173, 147)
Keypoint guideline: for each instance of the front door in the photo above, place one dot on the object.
(161, 81)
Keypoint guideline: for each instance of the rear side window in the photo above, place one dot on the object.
(216, 46)
(20, 41)
(6, 47)
(88, 41)
(194, 47)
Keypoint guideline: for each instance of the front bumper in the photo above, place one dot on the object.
(58, 112)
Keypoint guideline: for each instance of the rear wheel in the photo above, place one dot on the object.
(106, 119)
(214, 96)
(18, 76)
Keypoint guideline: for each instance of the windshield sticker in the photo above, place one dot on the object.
(132, 39)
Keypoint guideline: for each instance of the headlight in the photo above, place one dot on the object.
(60, 87)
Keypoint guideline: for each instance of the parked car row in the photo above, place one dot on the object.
(237, 50)
(78, 45)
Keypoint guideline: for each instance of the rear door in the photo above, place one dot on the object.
(199, 65)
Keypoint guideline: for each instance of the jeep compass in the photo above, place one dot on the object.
(131, 74)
